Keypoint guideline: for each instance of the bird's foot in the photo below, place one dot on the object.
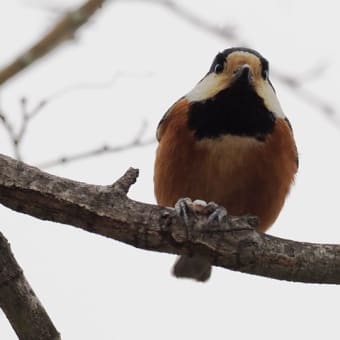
(184, 209)
(217, 215)
(188, 210)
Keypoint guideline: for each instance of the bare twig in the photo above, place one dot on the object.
(105, 149)
(107, 211)
(224, 32)
(16, 137)
(64, 29)
(26, 117)
(137, 141)
(19, 302)
(295, 85)
(317, 71)
(11, 134)
(91, 85)
(8, 126)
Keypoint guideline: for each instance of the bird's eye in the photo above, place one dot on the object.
(265, 74)
(218, 68)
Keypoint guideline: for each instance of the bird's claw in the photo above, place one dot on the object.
(217, 216)
(186, 208)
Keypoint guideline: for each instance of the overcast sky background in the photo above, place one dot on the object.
(97, 288)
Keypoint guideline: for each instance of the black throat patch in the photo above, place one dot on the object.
(237, 110)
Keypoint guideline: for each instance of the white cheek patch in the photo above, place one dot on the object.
(212, 84)
(209, 87)
(265, 91)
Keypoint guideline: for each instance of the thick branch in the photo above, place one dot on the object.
(106, 210)
(63, 30)
(18, 301)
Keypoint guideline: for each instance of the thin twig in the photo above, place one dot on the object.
(137, 141)
(7, 125)
(63, 30)
(11, 134)
(16, 137)
(26, 117)
(224, 32)
(91, 85)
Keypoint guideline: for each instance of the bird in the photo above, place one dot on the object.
(226, 141)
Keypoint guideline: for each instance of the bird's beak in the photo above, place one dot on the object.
(243, 73)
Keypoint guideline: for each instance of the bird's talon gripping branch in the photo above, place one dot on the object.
(189, 210)
(184, 209)
(217, 216)
(194, 265)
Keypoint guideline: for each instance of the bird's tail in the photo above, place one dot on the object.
(196, 267)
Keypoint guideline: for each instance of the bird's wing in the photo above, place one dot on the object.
(180, 107)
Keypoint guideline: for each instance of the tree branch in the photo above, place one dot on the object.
(63, 30)
(18, 301)
(107, 211)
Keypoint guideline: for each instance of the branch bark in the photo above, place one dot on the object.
(18, 301)
(63, 30)
(107, 211)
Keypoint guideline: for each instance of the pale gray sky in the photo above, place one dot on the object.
(96, 288)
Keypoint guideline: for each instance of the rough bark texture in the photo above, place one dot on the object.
(63, 30)
(106, 210)
(18, 301)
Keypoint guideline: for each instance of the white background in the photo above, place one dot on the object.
(97, 288)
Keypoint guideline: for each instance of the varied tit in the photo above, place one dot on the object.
(227, 141)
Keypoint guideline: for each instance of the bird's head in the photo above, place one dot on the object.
(235, 97)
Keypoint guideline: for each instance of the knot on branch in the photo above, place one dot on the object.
(123, 184)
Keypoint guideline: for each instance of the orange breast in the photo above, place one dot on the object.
(242, 174)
